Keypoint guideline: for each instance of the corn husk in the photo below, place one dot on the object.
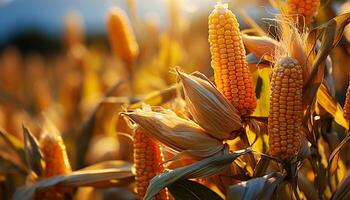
(176, 133)
(209, 108)
(262, 46)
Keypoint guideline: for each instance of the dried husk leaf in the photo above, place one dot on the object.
(101, 177)
(262, 46)
(342, 191)
(326, 101)
(201, 169)
(258, 188)
(176, 133)
(187, 189)
(334, 157)
(209, 108)
(33, 153)
(330, 34)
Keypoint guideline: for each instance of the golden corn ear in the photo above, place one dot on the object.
(286, 113)
(56, 163)
(231, 71)
(55, 155)
(148, 160)
(347, 103)
(121, 35)
(305, 9)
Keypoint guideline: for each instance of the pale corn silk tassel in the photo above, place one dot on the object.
(56, 163)
(286, 112)
(231, 72)
(148, 160)
(347, 103)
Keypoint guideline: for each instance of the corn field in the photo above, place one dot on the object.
(242, 100)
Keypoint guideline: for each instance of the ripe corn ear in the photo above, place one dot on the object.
(55, 155)
(286, 113)
(56, 163)
(73, 30)
(231, 72)
(148, 160)
(347, 103)
(121, 35)
(305, 9)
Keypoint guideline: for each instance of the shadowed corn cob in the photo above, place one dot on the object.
(148, 161)
(285, 118)
(347, 103)
(121, 36)
(56, 163)
(231, 72)
(306, 9)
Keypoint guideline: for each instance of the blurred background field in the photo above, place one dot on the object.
(56, 61)
(49, 49)
(55, 56)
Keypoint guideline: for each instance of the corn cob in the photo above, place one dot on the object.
(121, 36)
(73, 30)
(305, 9)
(347, 103)
(231, 71)
(56, 163)
(55, 155)
(148, 160)
(285, 117)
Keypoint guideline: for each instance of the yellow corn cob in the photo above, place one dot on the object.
(148, 160)
(231, 71)
(286, 113)
(121, 36)
(56, 163)
(305, 9)
(55, 155)
(347, 103)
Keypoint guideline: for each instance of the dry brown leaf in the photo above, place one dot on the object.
(326, 101)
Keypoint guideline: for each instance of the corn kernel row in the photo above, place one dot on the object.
(286, 112)
(347, 103)
(148, 161)
(305, 9)
(56, 163)
(231, 71)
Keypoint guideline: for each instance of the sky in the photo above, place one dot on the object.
(48, 15)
